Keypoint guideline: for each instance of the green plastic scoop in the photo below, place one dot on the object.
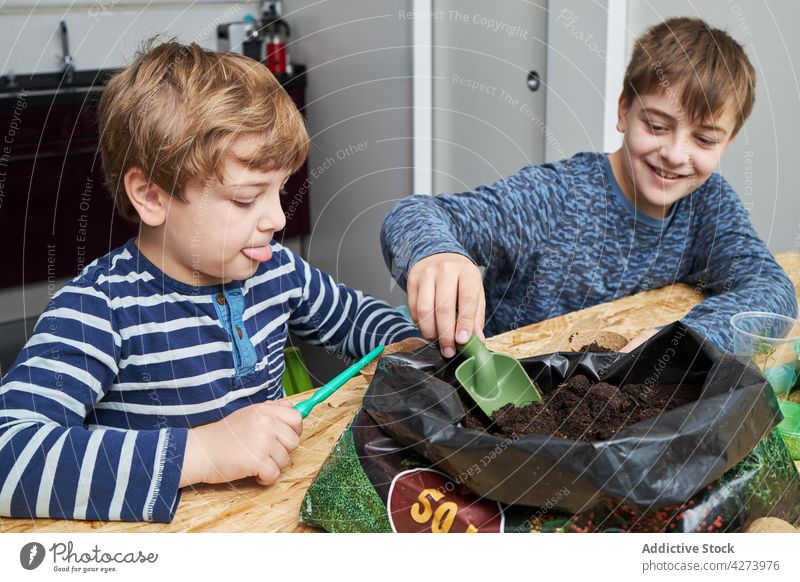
(493, 380)
(326, 390)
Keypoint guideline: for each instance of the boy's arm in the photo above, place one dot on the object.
(733, 266)
(433, 246)
(50, 465)
(343, 320)
(496, 224)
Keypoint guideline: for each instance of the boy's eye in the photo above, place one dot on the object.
(705, 140)
(657, 127)
(242, 204)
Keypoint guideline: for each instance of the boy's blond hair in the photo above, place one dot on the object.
(704, 68)
(176, 110)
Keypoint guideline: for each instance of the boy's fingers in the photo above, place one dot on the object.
(282, 411)
(411, 290)
(480, 318)
(268, 473)
(287, 437)
(468, 303)
(281, 456)
(446, 297)
(291, 418)
(464, 327)
(426, 320)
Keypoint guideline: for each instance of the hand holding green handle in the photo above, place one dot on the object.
(326, 390)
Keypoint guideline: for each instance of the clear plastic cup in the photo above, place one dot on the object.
(772, 342)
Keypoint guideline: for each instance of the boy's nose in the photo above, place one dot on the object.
(675, 153)
(272, 216)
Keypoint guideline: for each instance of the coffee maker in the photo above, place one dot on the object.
(263, 40)
(241, 37)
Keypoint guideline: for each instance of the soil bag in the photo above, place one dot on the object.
(408, 463)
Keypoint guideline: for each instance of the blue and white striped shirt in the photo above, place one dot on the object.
(96, 409)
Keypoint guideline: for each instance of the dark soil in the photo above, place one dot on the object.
(581, 410)
(595, 347)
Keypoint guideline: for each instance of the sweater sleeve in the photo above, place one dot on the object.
(734, 268)
(342, 319)
(50, 464)
(496, 224)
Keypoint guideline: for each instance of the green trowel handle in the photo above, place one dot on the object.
(323, 392)
(483, 365)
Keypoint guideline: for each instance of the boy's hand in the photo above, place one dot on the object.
(254, 441)
(639, 339)
(440, 285)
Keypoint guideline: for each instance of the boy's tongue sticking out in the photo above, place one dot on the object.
(258, 254)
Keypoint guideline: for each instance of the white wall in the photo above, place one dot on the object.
(359, 97)
(586, 58)
(761, 164)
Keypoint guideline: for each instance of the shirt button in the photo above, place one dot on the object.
(221, 299)
(239, 331)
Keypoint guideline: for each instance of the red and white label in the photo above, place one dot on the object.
(428, 501)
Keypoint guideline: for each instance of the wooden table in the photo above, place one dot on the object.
(244, 506)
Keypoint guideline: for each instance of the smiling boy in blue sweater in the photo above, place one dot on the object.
(559, 237)
(160, 365)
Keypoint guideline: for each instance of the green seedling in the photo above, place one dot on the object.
(763, 349)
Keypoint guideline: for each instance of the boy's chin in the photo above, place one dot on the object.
(659, 204)
(664, 199)
(236, 269)
(235, 272)
(245, 269)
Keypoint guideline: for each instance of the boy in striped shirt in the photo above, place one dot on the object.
(160, 365)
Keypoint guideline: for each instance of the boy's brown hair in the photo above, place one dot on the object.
(704, 68)
(176, 110)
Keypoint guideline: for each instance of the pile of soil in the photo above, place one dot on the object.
(594, 347)
(583, 410)
(596, 341)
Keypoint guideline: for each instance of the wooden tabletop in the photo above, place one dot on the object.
(243, 506)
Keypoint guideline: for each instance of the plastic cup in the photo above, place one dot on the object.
(772, 342)
(790, 427)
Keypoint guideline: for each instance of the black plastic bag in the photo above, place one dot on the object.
(657, 463)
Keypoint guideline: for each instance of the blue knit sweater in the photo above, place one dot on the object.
(556, 238)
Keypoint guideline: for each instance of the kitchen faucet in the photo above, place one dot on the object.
(68, 68)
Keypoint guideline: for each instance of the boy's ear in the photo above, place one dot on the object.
(148, 198)
(622, 113)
